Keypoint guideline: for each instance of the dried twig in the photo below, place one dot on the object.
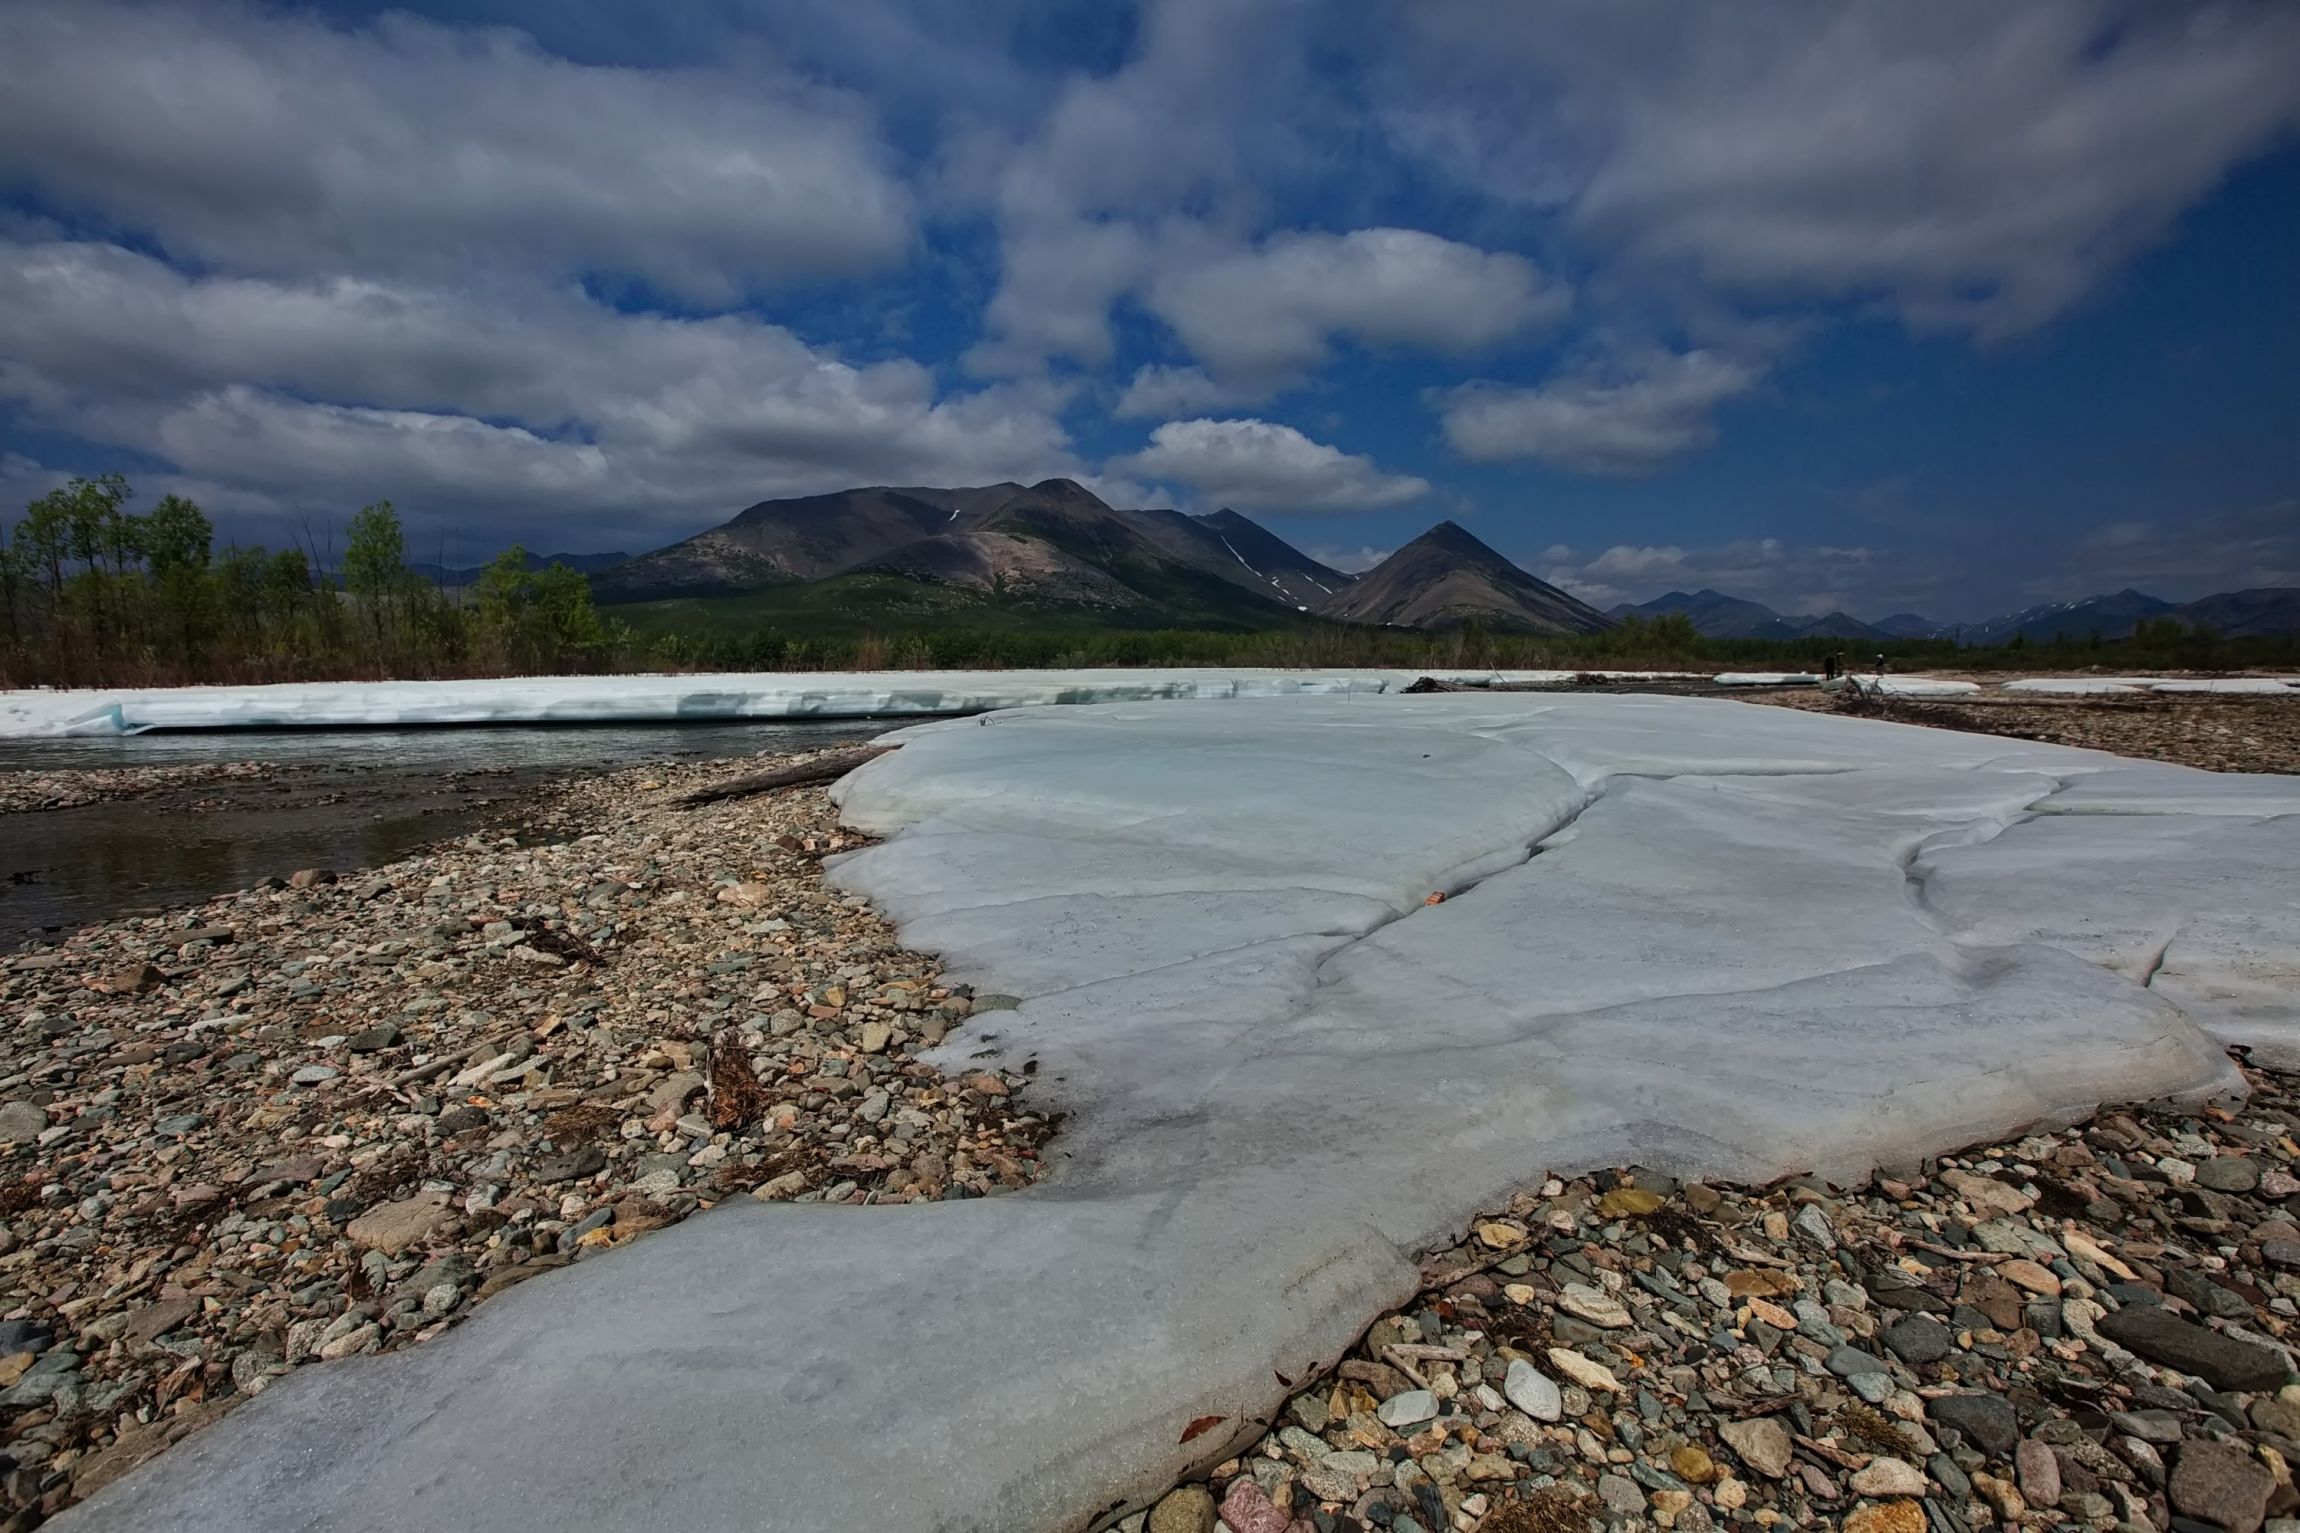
(821, 769)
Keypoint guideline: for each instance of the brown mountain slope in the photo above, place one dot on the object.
(1051, 542)
(1003, 563)
(1058, 541)
(1233, 548)
(777, 542)
(1446, 578)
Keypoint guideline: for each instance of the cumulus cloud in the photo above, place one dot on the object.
(1258, 465)
(1079, 195)
(1967, 163)
(363, 387)
(279, 143)
(1632, 417)
(1265, 315)
(1163, 392)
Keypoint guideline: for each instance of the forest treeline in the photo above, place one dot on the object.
(94, 594)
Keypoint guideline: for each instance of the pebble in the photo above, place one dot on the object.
(2037, 1473)
(1887, 1517)
(1408, 1409)
(1587, 1374)
(1886, 1476)
(1986, 1419)
(2222, 1361)
(22, 1122)
(1899, 1364)
(1762, 1443)
(265, 1120)
(2221, 1484)
(1185, 1509)
(1532, 1391)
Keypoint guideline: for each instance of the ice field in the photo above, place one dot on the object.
(827, 695)
(1693, 934)
(674, 699)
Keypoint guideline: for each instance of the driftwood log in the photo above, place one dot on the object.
(806, 773)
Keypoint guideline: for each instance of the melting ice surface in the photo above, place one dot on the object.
(1713, 938)
(679, 698)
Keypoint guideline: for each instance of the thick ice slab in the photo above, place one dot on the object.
(2081, 686)
(671, 699)
(1719, 939)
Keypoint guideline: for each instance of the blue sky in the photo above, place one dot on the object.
(1950, 308)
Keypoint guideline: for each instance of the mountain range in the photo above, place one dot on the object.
(2233, 614)
(1056, 544)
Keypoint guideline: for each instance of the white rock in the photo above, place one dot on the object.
(1888, 1477)
(1587, 1374)
(1532, 1391)
(1409, 1409)
(1594, 1305)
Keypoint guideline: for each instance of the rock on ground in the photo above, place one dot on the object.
(326, 1120)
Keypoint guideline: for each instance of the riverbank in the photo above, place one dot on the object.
(329, 1118)
(91, 829)
(1306, 1038)
(2091, 1328)
(2218, 732)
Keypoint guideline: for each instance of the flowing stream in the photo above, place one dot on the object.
(344, 799)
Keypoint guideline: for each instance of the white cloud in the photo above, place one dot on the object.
(1162, 393)
(1631, 418)
(278, 143)
(1079, 196)
(362, 388)
(1266, 314)
(1351, 561)
(1257, 465)
(1966, 162)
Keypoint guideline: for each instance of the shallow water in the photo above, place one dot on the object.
(526, 747)
(363, 798)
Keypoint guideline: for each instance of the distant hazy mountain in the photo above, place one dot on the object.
(1715, 615)
(582, 564)
(1718, 616)
(1446, 578)
(2240, 614)
(1838, 625)
(2110, 617)
(1907, 625)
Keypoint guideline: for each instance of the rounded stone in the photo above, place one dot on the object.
(1532, 1391)
(1189, 1509)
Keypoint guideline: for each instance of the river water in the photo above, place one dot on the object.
(352, 799)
